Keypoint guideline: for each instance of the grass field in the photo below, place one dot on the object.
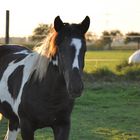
(109, 59)
(106, 111)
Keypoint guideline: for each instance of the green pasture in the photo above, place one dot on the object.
(105, 59)
(106, 54)
(106, 110)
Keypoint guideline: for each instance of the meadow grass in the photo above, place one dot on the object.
(105, 59)
(108, 111)
(109, 54)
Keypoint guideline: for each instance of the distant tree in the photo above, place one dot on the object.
(40, 32)
(89, 36)
(115, 33)
(107, 37)
(133, 37)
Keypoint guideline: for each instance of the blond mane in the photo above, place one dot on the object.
(45, 51)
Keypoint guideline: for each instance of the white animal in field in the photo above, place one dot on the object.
(134, 58)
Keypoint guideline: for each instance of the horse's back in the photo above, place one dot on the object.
(9, 53)
(10, 70)
(7, 49)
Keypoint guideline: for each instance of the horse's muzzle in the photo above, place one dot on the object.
(75, 90)
(74, 83)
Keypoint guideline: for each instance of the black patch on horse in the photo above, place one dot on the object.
(7, 55)
(6, 49)
(20, 58)
(15, 80)
(6, 110)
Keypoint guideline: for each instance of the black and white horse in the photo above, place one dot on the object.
(38, 88)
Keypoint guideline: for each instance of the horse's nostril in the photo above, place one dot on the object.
(75, 90)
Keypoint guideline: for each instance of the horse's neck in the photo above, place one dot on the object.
(54, 75)
(50, 75)
(53, 85)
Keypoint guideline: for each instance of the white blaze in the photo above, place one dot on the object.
(77, 44)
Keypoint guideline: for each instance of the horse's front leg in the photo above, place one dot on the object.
(27, 131)
(11, 134)
(13, 130)
(61, 131)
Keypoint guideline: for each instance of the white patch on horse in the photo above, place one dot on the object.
(77, 44)
(29, 67)
(29, 63)
(22, 52)
(5, 95)
(55, 61)
(11, 135)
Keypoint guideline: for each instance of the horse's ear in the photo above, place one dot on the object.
(84, 25)
(58, 24)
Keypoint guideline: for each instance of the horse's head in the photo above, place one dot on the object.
(71, 48)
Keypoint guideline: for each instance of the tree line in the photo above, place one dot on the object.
(107, 37)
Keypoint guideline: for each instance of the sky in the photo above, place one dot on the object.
(25, 15)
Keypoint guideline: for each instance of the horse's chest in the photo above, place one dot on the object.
(46, 113)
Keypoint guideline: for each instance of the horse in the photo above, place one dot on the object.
(134, 58)
(38, 87)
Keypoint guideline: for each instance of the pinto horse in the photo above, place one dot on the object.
(38, 88)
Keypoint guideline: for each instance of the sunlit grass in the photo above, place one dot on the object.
(102, 59)
(92, 66)
(113, 54)
(115, 134)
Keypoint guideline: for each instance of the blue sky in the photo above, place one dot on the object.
(25, 15)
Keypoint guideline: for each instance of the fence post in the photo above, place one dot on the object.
(7, 27)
